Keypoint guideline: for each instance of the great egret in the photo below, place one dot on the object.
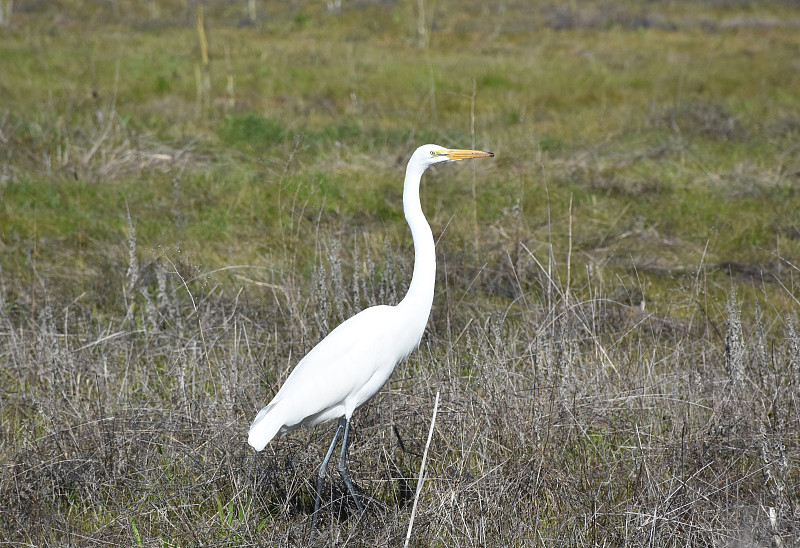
(353, 362)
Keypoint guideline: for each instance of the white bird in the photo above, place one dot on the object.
(354, 361)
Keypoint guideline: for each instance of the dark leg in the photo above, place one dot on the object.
(321, 476)
(342, 466)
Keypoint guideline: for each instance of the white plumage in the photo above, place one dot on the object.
(354, 361)
(339, 374)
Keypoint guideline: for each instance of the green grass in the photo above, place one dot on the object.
(580, 350)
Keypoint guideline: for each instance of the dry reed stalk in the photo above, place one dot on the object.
(421, 477)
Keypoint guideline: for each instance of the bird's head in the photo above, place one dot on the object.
(428, 155)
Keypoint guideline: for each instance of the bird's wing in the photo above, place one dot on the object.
(338, 368)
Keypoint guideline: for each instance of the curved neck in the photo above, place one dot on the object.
(420, 292)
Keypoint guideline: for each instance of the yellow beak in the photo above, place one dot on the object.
(456, 154)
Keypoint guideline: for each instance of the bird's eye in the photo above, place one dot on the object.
(433, 153)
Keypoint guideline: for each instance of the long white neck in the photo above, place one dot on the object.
(420, 293)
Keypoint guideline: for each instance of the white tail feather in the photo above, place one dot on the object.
(264, 428)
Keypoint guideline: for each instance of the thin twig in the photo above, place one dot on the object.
(569, 253)
(422, 471)
(196, 311)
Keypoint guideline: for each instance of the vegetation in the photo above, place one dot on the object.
(192, 195)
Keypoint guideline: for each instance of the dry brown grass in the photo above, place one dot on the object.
(583, 422)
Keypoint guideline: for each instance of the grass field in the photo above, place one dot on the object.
(192, 195)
